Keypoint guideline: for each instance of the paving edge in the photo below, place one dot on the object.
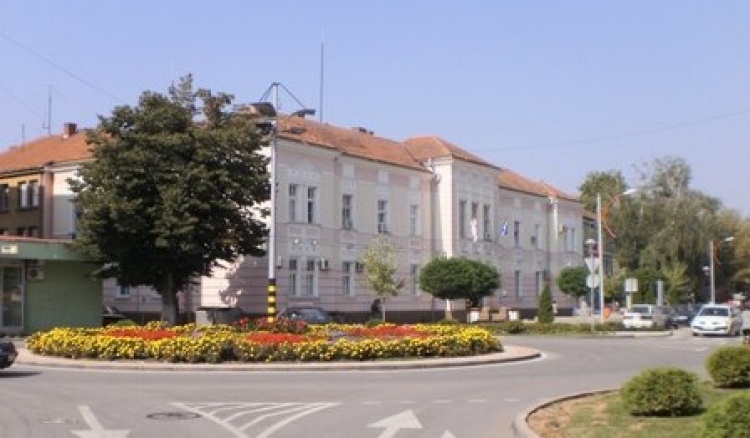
(521, 427)
(510, 354)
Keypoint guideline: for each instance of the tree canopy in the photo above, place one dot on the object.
(173, 190)
(459, 278)
(381, 266)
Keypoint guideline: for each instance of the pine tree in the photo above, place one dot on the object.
(546, 312)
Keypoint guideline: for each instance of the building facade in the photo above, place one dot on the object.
(337, 190)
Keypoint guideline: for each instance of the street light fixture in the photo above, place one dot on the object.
(711, 257)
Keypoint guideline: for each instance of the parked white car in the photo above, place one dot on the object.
(645, 316)
(717, 319)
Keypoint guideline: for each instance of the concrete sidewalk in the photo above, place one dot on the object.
(510, 354)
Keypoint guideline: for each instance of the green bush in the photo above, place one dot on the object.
(662, 392)
(124, 323)
(729, 367)
(545, 313)
(728, 419)
(448, 322)
(374, 322)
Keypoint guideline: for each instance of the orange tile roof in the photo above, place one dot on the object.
(430, 146)
(354, 142)
(46, 150)
(515, 181)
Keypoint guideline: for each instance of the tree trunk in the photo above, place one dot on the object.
(170, 307)
(448, 311)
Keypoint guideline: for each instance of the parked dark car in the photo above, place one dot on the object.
(111, 315)
(684, 313)
(308, 314)
(8, 354)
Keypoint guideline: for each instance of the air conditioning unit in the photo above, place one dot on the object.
(488, 237)
(324, 264)
(279, 262)
(34, 273)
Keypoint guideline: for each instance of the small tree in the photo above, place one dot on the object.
(458, 278)
(381, 264)
(572, 281)
(546, 312)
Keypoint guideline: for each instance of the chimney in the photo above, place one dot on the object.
(69, 129)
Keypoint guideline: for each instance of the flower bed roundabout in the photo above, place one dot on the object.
(261, 342)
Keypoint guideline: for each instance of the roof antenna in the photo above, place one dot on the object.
(48, 125)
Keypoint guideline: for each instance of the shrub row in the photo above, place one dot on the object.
(216, 344)
(675, 392)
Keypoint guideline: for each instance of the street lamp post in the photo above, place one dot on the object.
(592, 279)
(711, 269)
(600, 238)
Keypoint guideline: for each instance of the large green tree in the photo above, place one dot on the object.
(459, 278)
(173, 190)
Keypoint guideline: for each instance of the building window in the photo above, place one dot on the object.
(569, 239)
(517, 233)
(414, 274)
(486, 223)
(20, 231)
(293, 190)
(3, 231)
(462, 219)
(32, 232)
(536, 239)
(348, 278)
(310, 277)
(23, 195)
(34, 194)
(413, 220)
(122, 291)
(382, 216)
(517, 277)
(347, 202)
(312, 204)
(294, 277)
(4, 197)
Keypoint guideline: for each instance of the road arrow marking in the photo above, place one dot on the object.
(447, 434)
(97, 430)
(404, 420)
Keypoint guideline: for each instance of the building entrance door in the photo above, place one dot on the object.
(11, 298)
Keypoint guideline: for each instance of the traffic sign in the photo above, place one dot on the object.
(592, 280)
(592, 263)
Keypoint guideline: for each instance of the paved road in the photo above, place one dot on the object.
(478, 401)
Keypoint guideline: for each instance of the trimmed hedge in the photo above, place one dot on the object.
(663, 392)
(728, 419)
(729, 367)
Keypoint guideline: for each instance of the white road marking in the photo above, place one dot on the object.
(230, 415)
(394, 423)
(97, 430)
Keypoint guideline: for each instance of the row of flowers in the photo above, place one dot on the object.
(214, 344)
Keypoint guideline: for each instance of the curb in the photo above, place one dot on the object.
(509, 355)
(520, 425)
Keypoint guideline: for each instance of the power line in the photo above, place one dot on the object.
(59, 67)
(598, 139)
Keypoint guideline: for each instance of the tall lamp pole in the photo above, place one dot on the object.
(600, 240)
(711, 268)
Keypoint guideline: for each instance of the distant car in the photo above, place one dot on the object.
(684, 313)
(218, 315)
(308, 314)
(646, 316)
(717, 319)
(8, 354)
(111, 315)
